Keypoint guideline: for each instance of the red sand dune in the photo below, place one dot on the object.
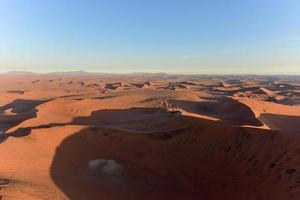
(63, 140)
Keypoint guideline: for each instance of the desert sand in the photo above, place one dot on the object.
(89, 136)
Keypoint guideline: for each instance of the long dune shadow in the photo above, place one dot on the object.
(141, 120)
(149, 120)
(20, 110)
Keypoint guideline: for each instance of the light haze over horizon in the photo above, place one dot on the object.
(173, 36)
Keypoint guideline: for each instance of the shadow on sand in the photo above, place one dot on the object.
(281, 122)
(139, 120)
(125, 163)
(99, 163)
(226, 109)
(19, 110)
(200, 160)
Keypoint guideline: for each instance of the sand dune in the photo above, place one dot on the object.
(149, 137)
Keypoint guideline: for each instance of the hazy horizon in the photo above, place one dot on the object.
(77, 72)
(190, 37)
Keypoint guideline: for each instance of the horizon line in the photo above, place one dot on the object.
(82, 72)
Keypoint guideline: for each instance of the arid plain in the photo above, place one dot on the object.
(89, 136)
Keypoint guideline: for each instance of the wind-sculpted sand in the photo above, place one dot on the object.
(155, 136)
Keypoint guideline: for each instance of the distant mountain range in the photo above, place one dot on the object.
(149, 74)
(78, 73)
(18, 73)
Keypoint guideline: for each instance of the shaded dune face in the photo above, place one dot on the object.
(206, 161)
(281, 122)
(230, 111)
(139, 120)
(225, 109)
(96, 169)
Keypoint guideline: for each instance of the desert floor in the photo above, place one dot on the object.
(149, 136)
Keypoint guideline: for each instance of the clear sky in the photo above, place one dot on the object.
(177, 36)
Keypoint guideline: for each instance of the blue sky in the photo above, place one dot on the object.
(176, 36)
